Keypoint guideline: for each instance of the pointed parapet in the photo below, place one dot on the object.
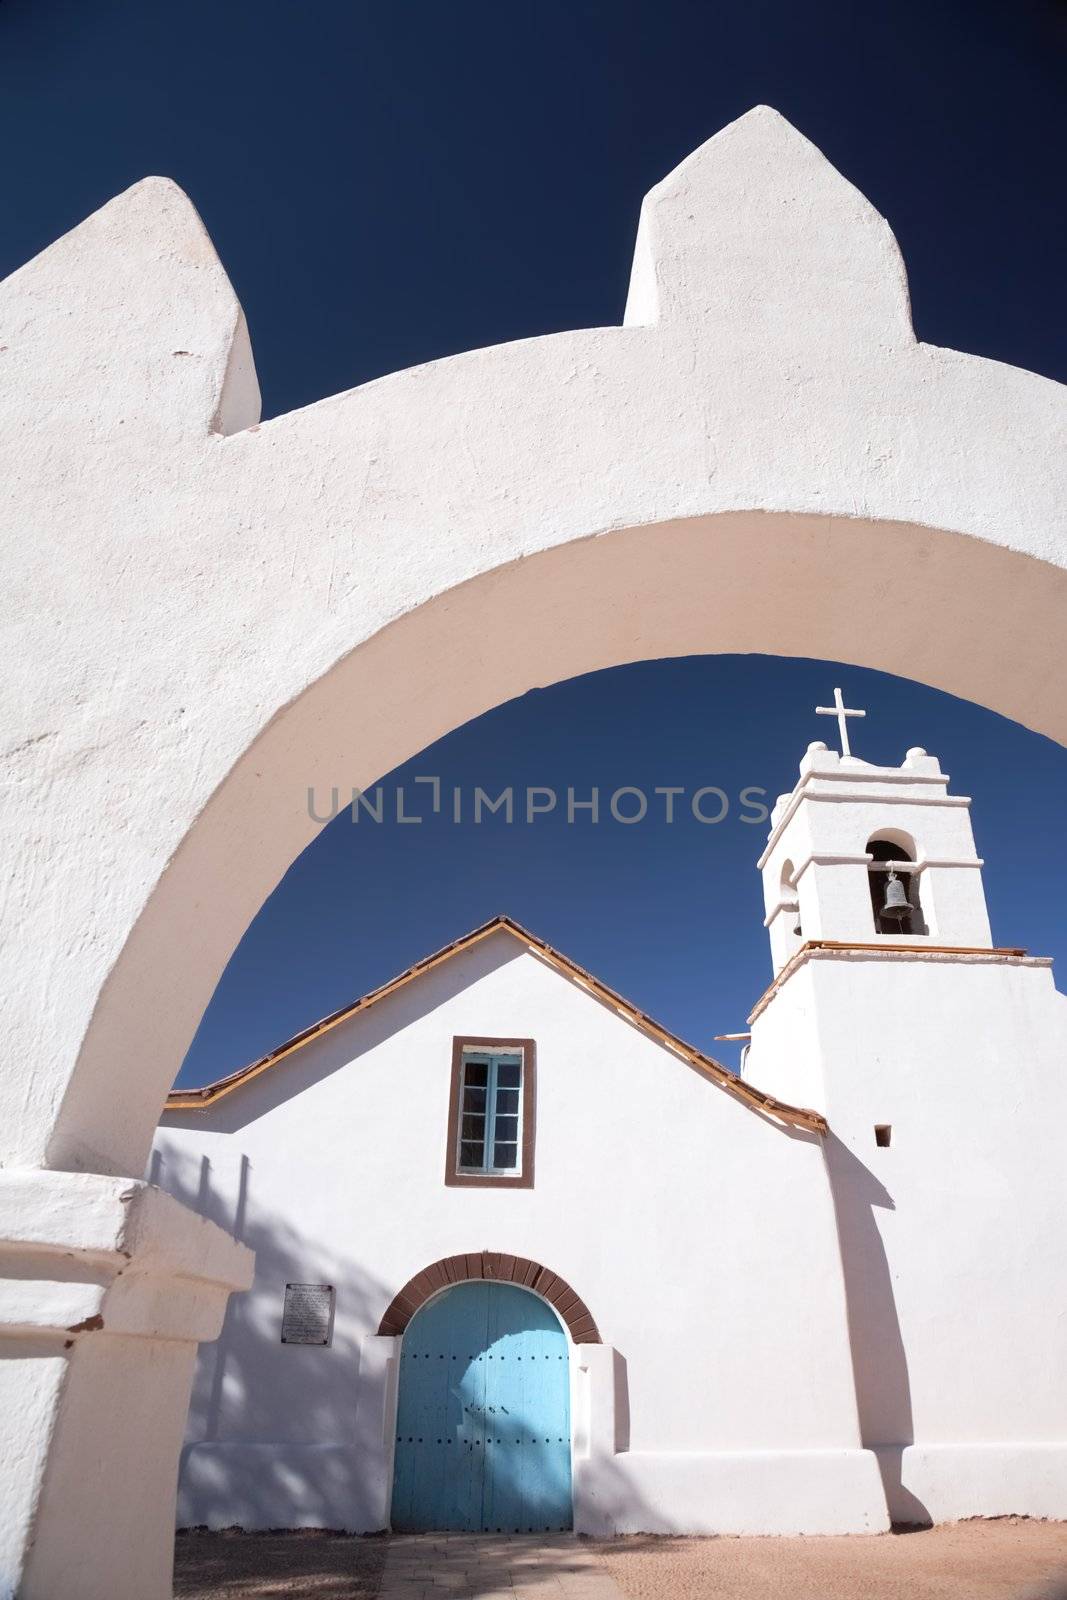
(756, 238)
(130, 319)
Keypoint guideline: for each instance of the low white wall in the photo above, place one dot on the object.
(737, 1492)
(947, 1483)
(349, 1487)
(263, 1486)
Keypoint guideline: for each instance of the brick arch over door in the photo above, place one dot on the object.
(497, 1268)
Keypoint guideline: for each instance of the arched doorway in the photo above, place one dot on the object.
(483, 1433)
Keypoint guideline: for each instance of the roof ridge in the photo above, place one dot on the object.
(756, 1099)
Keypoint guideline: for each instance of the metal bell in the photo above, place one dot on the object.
(897, 905)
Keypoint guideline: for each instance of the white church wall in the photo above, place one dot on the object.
(952, 1236)
(953, 903)
(699, 1234)
(783, 1056)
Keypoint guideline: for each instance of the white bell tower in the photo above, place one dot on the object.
(844, 829)
(938, 1062)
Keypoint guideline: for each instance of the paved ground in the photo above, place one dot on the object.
(1008, 1559)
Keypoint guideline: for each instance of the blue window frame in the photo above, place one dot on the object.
(489, 1136)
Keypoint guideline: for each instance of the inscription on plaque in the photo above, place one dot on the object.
(308, 1314)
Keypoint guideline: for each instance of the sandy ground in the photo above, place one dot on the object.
(1009, 1559)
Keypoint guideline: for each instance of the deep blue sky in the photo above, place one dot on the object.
(394, 182)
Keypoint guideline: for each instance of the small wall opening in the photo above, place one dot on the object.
(789, 900)
(884, 852)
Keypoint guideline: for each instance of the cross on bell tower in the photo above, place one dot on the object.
(842, 713)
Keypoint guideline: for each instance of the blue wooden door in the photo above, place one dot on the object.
(483, 1429)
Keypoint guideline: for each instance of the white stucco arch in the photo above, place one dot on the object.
(725, 472)
(205, 616)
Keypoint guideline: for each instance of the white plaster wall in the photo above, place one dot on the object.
(784, 1054)
(720, 474)
(700, 1235)
(953, 1242)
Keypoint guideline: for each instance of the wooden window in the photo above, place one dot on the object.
(491, 1113)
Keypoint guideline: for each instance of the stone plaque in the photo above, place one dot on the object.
(308, 1314)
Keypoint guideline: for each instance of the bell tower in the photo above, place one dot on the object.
(859, 853)
(937, 1060)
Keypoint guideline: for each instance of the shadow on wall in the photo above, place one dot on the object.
(275, 1434)
(879, 1360)
(276, 1437)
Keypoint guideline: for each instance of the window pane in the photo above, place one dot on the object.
(470, 1153)
(508, 1073)
(504, 1155)
(507, 1101)
(474, 1100)
(475, 1072)
(506, 1128)
(473, 1128)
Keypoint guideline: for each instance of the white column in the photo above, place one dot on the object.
(594, 1440)
(375, 1423)
(106, 1287)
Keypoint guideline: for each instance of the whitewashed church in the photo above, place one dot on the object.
(526, 1260)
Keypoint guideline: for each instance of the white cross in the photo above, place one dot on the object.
(842, 713)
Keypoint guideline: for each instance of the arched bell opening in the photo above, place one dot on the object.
(786, 928)
(896, 901)
(790, 903)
